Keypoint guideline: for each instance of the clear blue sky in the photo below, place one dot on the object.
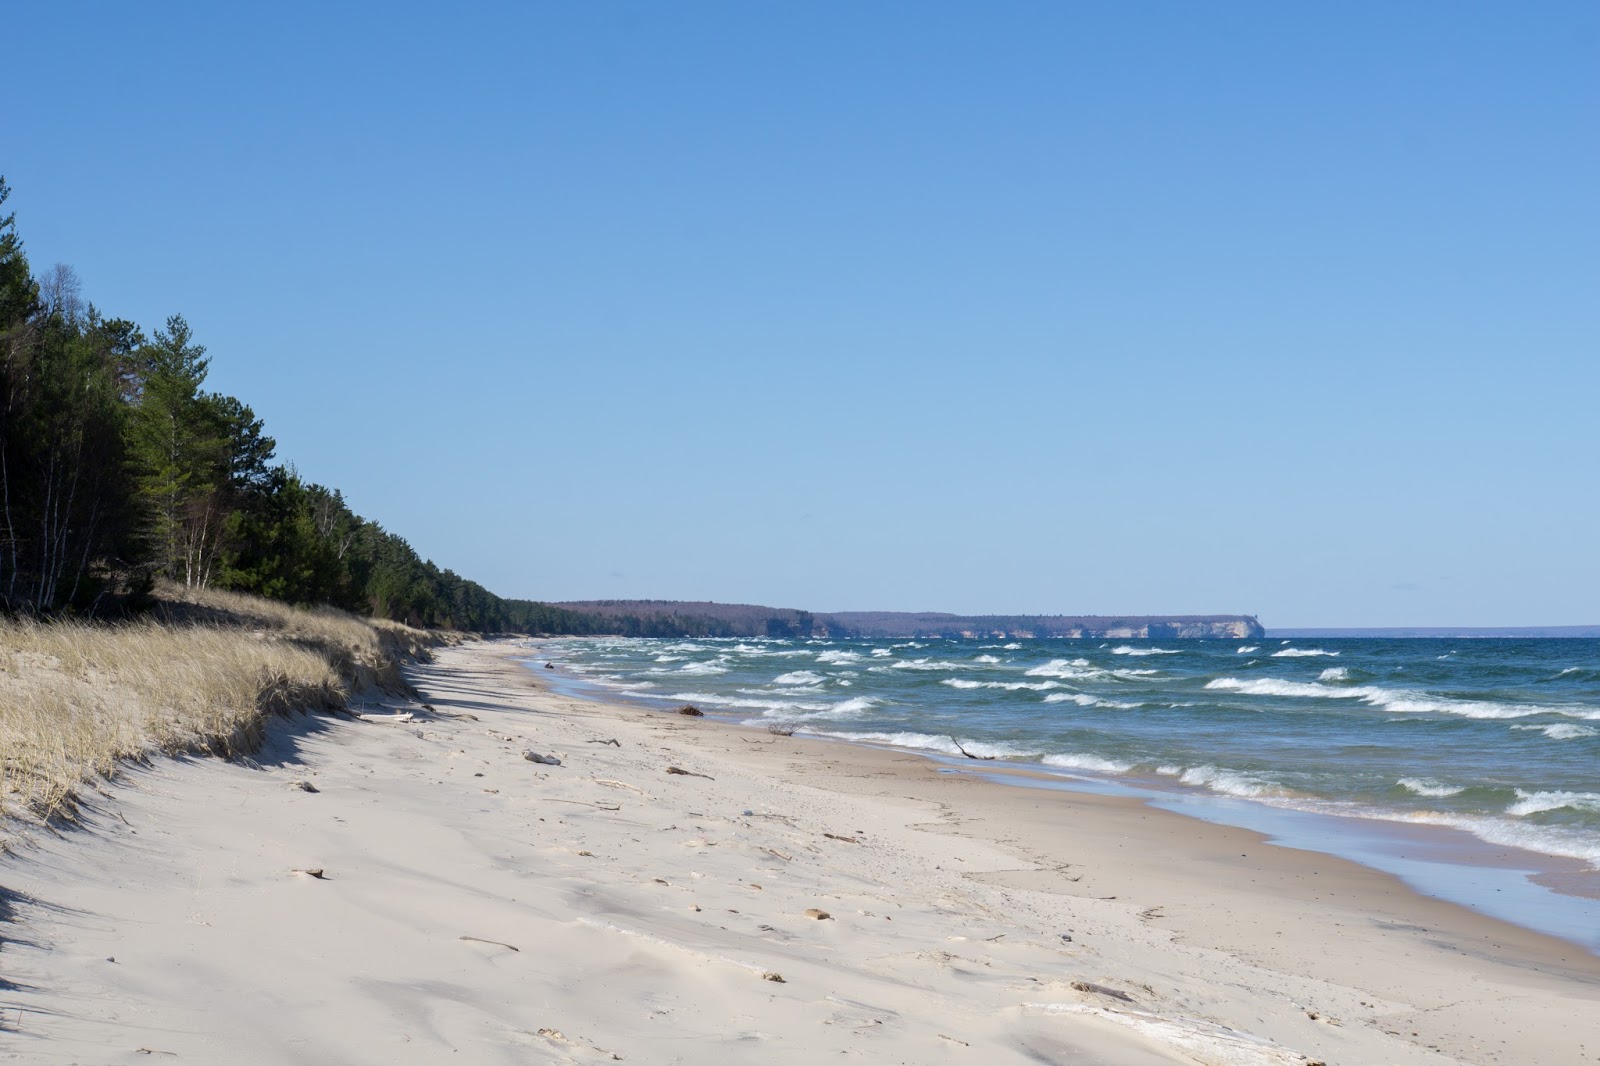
(1282, 308)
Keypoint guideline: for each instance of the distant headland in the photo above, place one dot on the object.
(679, 617)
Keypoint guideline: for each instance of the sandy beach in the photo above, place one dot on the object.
(407, 887)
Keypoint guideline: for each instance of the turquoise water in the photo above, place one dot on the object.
(1498, 738)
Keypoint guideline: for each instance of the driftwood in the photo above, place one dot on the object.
(688, 773)
(613, 740)
(496, 943)
(836, 836)
(1102, 990)
(545, 760)
(968, 754)
(314, 872)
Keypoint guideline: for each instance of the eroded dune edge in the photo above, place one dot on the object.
(406, 886)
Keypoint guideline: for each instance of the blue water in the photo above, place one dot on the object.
(1499, 739)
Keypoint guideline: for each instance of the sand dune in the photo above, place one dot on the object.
(473, 906)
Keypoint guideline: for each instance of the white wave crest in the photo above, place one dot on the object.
(931, 742)
(1399, 701)
(1126, 649)
(1423, 786)
(669, 658)
(1076, 669)
(1562, 730)
(1010, 647)
(987, 659)
(1009, 686)
(1228, 782)
(1247, 649)
(1078, 761)
(1301, 653)
(881, 653)
(799, 677)
(1535, 802)
(926, 664)
(838, 658)
(1530, 836)
(702, 668)
(1334, 673)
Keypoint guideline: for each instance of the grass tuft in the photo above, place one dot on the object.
(202, 675)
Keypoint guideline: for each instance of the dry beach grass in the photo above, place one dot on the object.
(204, 675)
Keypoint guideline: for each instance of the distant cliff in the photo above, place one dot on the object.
(1154, 627)
(666, 618)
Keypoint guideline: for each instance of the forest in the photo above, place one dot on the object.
(119, 470)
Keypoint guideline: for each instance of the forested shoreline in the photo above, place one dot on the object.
(118, 469)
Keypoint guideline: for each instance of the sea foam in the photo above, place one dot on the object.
(1399, 701)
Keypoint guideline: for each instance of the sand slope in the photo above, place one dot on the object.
(476, 907)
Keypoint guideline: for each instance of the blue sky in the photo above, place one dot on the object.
(1289, 309)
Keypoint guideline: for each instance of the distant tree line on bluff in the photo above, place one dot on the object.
(118, 468)
(705, 619)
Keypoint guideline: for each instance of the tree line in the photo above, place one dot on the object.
(119, 468)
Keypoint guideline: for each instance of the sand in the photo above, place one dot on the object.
(473, 906)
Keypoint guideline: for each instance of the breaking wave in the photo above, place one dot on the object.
(1423, 786)
(1399, 701)
(1539, 802)
(1008, 686)
(1562, 730)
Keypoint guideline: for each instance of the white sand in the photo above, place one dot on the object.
(626, 913)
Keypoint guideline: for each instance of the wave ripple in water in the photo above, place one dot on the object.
(1497, 737)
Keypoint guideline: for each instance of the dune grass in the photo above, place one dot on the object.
(201, 675)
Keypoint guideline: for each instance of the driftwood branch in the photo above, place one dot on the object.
(968, 754)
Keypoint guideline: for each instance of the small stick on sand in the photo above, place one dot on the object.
(967, 753)
(688, 773)
(1102, 990)
(496, 943)
(836, 836)
(612, 740)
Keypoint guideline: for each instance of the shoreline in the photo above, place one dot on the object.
(471, 901)
(1549, 893)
